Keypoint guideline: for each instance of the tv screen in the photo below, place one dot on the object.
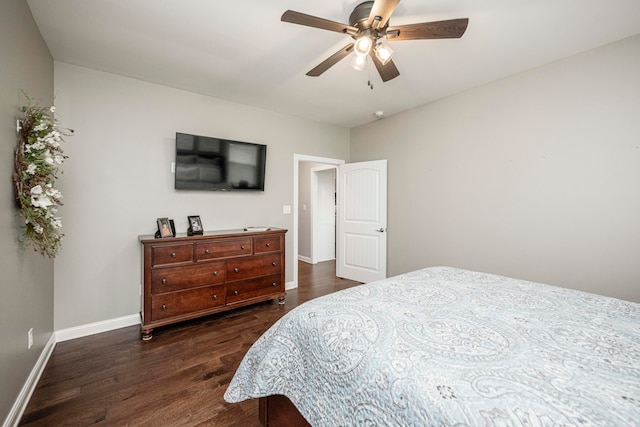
(207, 163)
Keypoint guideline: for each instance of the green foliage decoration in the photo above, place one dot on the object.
(38, 159)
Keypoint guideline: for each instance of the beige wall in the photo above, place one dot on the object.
(27, 278)
(117, 180)
(536, 176)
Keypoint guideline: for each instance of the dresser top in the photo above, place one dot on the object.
(149, 238)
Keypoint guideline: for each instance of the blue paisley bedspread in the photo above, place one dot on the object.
(449, 347)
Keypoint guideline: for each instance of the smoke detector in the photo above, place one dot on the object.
(378, 114)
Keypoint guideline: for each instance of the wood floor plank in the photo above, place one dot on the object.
(176, 379)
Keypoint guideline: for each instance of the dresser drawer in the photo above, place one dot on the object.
(171, 254)
(223, 249)
(173, 304)
(176, 278)
(245, 268)
(240, 291)
(267, 244)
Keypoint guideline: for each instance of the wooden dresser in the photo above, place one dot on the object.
(190, 276)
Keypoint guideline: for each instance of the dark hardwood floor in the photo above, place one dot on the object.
(176, 379)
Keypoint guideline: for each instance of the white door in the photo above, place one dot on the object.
(362, 221)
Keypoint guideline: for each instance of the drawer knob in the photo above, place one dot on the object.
(268, 245)
(273, 263)
(236, 269)
(274, 284)
(206, 251)
(164, 281)
(215, 273)
(164, 307)
(173, 255)
(215, 297)
(242, 247)
(235, 292)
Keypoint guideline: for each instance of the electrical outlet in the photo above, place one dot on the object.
(30, 338)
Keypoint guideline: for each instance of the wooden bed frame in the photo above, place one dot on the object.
(278, 411)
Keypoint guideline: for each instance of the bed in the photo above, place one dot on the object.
(443, 346)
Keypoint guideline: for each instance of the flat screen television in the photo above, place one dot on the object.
(207, 163)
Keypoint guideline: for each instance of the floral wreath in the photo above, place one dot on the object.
(38, 158)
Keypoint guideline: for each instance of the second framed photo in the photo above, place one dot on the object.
(195, 225)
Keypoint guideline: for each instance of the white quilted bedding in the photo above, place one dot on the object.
(444, 347)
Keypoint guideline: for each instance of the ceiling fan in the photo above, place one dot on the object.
(369, 27)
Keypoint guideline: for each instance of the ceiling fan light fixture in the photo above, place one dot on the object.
(368, 27)
(358, 62)
(363, 45)
(383, 52)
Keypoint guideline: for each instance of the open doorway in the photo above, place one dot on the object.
(305, 207)
(319, 217)
(361, 221)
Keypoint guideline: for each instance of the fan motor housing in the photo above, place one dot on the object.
(360, 13)
(359, 18)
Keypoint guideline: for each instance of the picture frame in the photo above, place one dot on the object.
(195, 225)
(165, 228)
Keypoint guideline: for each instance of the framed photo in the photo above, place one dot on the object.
(195, 225)
(164, 228)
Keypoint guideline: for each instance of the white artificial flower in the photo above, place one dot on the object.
(31, 169)
(52, 192)
(52, 109)
(53, 138)
(58, 159)
(41, 126)
(39, 200)
(38, 229)
(48, 159)
(56, 222)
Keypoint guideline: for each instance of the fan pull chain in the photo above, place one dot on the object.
(369, 81)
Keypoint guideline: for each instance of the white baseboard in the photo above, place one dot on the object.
(29, 386)
(97, 327)
(304, 259)
(289, 285)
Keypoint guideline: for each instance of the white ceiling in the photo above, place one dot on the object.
(241, 51)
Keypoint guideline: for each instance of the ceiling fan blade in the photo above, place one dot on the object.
(381, 11)
(449, 29)
(387, 71)
(315, 22)
(331, 61)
